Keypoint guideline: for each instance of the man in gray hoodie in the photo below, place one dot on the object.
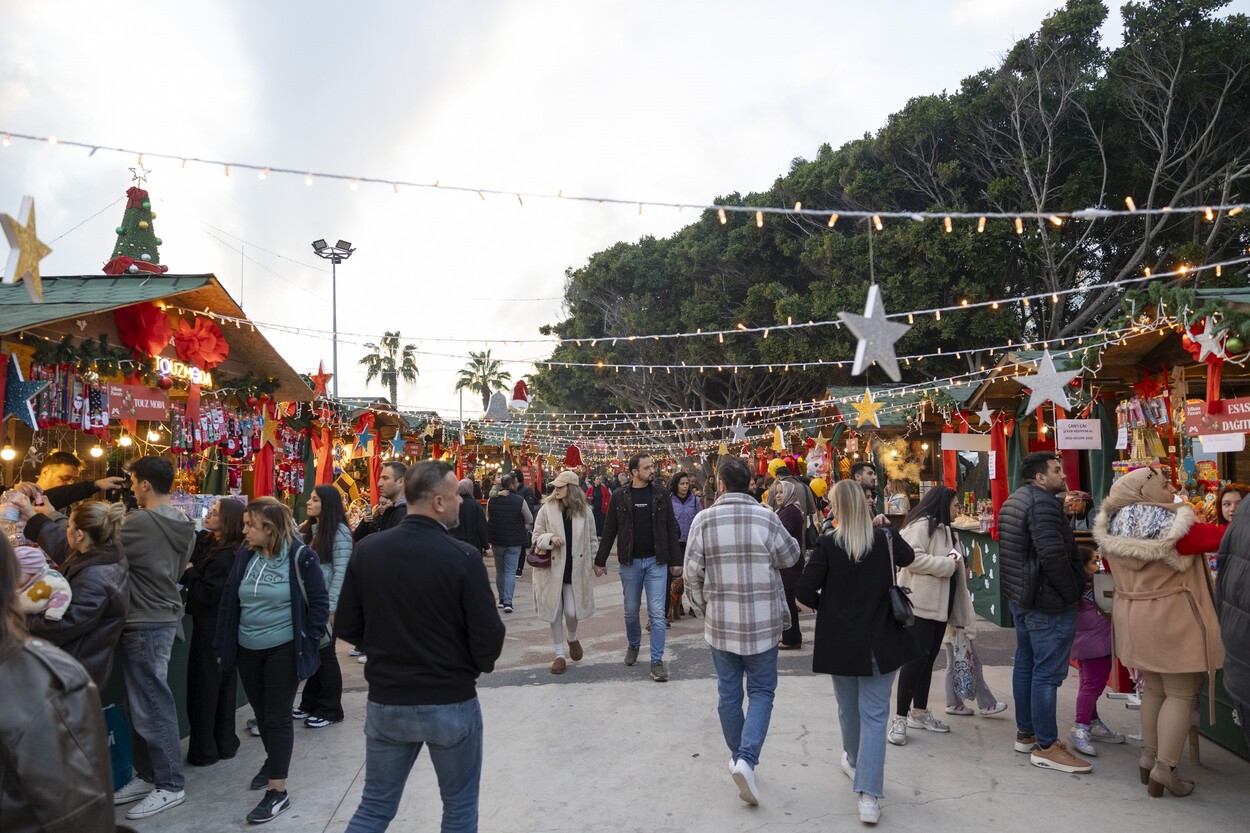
(157, 540)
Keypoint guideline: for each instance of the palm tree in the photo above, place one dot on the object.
(391, 363)
(483, 375)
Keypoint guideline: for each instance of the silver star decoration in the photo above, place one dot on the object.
(140, 174)
(985, 414)
(1048, 384)
(876, 336)
(1210, 341)
(739, 431)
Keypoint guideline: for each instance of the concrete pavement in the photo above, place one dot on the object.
(603, 748)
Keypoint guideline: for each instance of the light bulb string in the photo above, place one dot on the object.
(823, 214)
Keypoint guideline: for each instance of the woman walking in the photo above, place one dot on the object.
(274, 611)
(211, 694)
(686, 505)
(858, 641)
(788, 502)
(563, 592)
(331, 539)
(939, 594)
(1163, 614)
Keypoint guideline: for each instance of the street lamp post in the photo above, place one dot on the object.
(336, 254)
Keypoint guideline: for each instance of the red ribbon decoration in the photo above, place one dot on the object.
(201, 344)
(144, 328)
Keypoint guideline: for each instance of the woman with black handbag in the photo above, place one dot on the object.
(849, 582)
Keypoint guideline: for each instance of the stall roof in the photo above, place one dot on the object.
(68, 298)
(894, 395)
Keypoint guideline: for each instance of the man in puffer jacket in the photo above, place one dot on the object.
(1043, 579)
(1232, 596)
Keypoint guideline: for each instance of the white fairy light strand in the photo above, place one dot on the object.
(830, 216)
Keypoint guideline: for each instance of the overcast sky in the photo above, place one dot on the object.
(668, 101)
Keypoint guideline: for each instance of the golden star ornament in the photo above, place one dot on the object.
(26, 250)
(867, 409)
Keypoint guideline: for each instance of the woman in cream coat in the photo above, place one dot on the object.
(1163, 612)
(939, 594)
(563, 592)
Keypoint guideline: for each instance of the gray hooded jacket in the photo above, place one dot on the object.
(158, 544)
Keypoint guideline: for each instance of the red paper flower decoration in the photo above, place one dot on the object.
(200, 343)
(143, 328)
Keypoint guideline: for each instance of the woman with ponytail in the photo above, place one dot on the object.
(96, 569)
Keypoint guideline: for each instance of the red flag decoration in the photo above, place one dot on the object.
(538, 474)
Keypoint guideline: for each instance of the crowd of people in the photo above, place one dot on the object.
(267, 599)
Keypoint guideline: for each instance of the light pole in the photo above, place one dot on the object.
(336, 254)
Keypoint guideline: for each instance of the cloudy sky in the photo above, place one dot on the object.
(662, 101)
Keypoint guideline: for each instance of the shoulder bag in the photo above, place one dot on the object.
(303, 591)
(1104, 592)
(900, 605)
(538, 558)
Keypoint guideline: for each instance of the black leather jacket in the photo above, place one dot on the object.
(1039, 563)
(619, 526)
(55, 775)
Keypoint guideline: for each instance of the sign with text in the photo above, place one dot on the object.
(965, 442)
(137, 402)
(1233, 418)
(1078, 433)
(1212, 443)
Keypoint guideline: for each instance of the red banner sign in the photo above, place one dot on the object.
(1233, 418)
(137, 402)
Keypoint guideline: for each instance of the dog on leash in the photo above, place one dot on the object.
(674, 600)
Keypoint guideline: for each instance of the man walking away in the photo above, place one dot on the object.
(1043, 577)
(733, 554)
(641, 522)
(421, 600)
(157, 540)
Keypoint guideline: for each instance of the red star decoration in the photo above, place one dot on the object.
(320, 378)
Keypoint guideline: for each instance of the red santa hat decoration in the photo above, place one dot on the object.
(520, 396)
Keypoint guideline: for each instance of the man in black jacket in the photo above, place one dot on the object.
(58, 481)
(532, 501)
(391, 490)
(422, 602)
(642, 524)
(1043, 579)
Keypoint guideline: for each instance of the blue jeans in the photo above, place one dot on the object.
(143, 653)
(1043, 642)
(745, 735)
(394, 736)
(863, 712)
(506, 559)
(640, 573)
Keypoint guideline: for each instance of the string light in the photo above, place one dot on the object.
(949, 225)
(1132, 206)
(876, 221)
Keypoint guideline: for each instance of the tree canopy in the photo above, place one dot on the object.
(1059, 125)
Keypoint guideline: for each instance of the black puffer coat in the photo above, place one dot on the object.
(1232, 603)
(1039, 563)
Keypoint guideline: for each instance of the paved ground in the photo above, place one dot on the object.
(602, 748)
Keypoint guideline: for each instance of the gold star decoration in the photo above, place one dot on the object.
(26, 250)
(867, 409)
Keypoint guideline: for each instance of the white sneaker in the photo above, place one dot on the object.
(926, 720)
(158, 801)
(744, 777)
(898, 731)
(362, 659)
(869, 809)
(1081, 741)
(847, 769)
(135, 790)
(997, 708)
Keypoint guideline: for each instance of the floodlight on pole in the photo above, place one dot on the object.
(336, 254)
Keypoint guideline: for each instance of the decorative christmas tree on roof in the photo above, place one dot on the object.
(137, 248)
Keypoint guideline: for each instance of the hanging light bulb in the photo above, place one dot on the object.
(153, 435)
(124, 440)
(7, 453)
(97, 451)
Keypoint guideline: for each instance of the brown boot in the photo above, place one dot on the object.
(1163, 777)
(575, 650)
(558, 666)
(1147, 763)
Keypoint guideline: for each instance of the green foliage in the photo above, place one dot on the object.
(482, 374)
(1059, 125)
(390, 363)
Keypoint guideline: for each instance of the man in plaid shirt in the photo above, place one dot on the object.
(733, 554)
